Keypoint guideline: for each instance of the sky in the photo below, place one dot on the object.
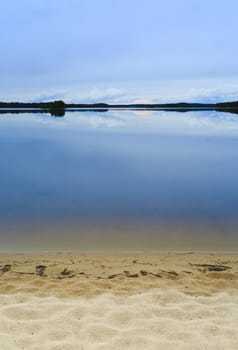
(119, 51)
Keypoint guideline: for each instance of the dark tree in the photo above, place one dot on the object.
(57, 108)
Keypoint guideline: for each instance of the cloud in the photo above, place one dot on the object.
(209, 91)
(108, 94)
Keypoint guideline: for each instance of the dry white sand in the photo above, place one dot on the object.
(159, 301)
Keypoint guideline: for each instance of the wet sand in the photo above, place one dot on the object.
(115, 301)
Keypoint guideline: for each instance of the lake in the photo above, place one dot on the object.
(119, 180)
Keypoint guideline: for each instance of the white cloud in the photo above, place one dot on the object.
(134, 92)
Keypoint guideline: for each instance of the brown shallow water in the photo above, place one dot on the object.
(120, 236)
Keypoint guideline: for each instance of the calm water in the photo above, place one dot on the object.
(119, 180)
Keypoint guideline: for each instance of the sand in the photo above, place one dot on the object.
(119, 301)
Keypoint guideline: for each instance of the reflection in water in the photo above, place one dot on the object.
(121, 181)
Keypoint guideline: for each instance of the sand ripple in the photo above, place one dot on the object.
(107, 321)
(91, 302)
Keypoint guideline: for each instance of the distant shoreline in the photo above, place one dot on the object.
(62, 104)
(58, 108)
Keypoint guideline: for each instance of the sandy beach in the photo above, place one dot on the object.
(119, 301)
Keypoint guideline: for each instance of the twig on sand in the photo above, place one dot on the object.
(5, 269)
(40, 270)
(211, 268)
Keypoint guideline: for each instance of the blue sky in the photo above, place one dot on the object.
(119, 50)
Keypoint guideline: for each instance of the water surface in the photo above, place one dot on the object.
(119, 180)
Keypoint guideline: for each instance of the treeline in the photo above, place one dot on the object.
(62, 104)
(55, 108)
(51, 104)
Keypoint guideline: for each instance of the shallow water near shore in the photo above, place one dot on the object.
(119, 181)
